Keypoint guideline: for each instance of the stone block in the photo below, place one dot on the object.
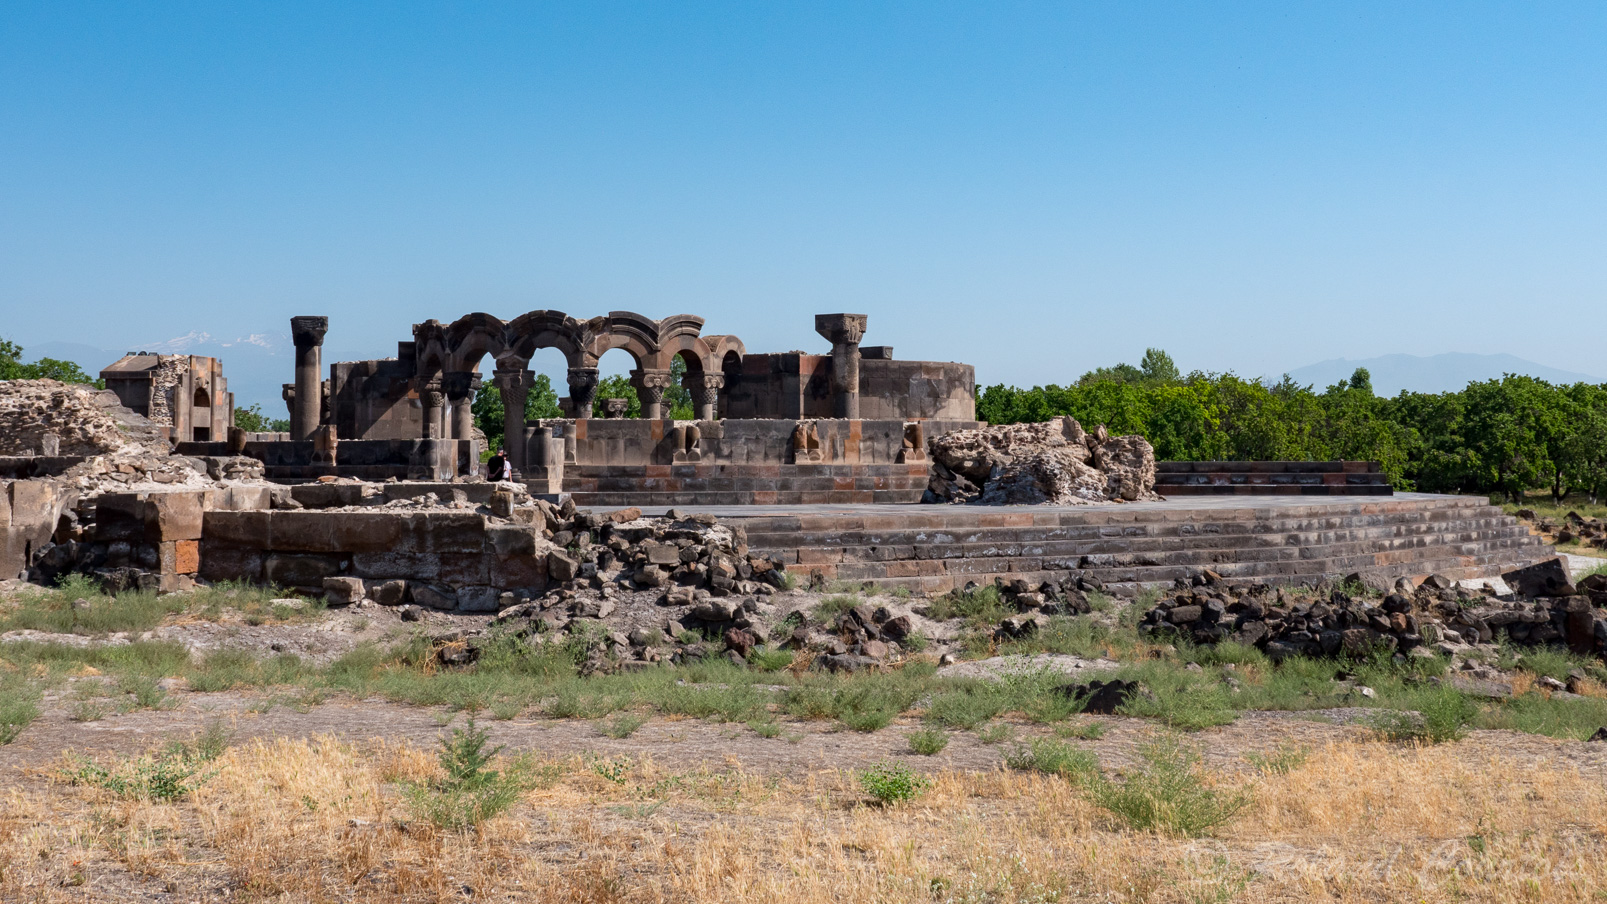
(240, 499)
(454, 532)
(174, 516)
(249, 530)
(175, 583)
(385, 565)
(352, 532)
(561, 567)
(343, 591)
(303, 531)
(179, 556)
(299, 570)
(508, 572)
(388, 593)
(478, 599)
(434, 597)
(230, 563)
(459, 569)
(511, 539)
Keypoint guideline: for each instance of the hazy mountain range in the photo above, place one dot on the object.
(1448, 372)
(258, 364)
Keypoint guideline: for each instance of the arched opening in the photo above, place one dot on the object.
(617, 380)
(202, 400)
(686, 386)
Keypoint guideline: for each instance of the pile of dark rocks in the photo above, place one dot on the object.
(1574, 527)
(1434, 617)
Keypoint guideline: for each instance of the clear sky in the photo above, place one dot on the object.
(1033, 188)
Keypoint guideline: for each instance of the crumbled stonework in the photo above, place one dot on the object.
(1053, 462)
(85, 420)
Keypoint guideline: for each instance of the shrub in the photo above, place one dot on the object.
(19, 706)
(1168, 793)
(767, 660)
(1052, 758)
(1442, 715)
(1085, 731)
(469, 793)
(928, 741)
(980, 606)
(891, 782)
(162, 777)
(623, 725)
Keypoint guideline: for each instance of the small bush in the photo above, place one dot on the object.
(623, 725)
(469, 793)
(928, 741)
(162, 777)
(891, 783)
(980, 606)
(1442, 715)
(148, 694)
(1052, 758)
(766, 728)
(1168, 793)
(19, 706)
(767, 660)
(997, 733)
(833, 606)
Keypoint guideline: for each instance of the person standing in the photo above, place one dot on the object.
(497, 467)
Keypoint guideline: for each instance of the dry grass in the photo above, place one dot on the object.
(296, 820)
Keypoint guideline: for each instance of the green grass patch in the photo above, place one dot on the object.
(928, 741)
(1053, 757)
(892, 783)
(1169, 792)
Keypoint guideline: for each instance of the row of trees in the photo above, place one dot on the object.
(1501, 436)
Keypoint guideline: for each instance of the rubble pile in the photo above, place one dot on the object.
(1051, 462)
(1435, 617)
(1574, 528)
(47, 417)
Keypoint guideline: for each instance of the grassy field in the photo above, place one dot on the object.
(319, 820)
(1401, 808)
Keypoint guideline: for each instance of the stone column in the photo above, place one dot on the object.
(460, 387)
(308, 335)
(844, 332)
(515, 388)
(582, 391)
(433, 399)
(650, 385)
(705, 389)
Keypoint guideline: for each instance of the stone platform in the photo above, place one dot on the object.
(1275, 539)
(745, 485)
(1271, 478)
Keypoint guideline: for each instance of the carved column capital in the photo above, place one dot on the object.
(308, 332)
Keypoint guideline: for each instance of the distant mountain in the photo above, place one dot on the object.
(1449, 372)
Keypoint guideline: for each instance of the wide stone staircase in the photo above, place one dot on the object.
(1283, 540)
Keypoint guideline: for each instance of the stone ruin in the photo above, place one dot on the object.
(1031, 464)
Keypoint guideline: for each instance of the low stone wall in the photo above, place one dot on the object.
(447, 559)
(382, 459)
(1271, 478)
(755, 484)
(29, 511)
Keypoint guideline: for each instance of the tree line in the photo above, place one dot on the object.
(1503, 436)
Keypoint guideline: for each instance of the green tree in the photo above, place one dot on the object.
(1157, 367)
(252, 420)
(1586, 452)
(541, 403)
(1503, 431)
(12, 368)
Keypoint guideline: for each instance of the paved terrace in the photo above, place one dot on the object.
(1216, 504)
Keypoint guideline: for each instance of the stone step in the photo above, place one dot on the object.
(935, 549)
(1138, 536)
(1221, 534)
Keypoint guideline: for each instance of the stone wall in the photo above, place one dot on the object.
(447, 559)
(29, 511)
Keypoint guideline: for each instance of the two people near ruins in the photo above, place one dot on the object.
(497, 468)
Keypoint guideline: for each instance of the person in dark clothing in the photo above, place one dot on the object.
(497, 467)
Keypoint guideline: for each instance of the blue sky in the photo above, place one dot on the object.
(1037, 189)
